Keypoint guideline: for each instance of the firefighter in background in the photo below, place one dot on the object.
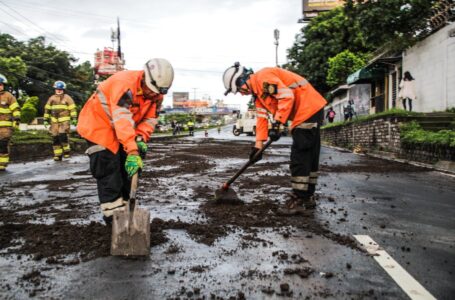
(117, 121)
(60, 112)
(287, 96)
(9, 119)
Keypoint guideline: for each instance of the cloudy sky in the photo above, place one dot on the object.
(201, 38)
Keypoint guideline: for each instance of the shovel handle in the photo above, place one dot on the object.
(248, 163)
(133, 190)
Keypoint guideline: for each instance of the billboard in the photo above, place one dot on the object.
(311, 8)
(107, 62)
(178, 98)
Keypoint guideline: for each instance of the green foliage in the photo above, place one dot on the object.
(397, 23)
(31, 137)
(360, 26)
(46, 64)
(324, 37)
(37, 137)
(412, 133)
(343, 64)
(13, 68)
(29, 110)
(394, 112)
(181, 118)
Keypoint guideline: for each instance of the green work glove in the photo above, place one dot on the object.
(46, 124)
(133, 164)
(142, 146)
(74, 122)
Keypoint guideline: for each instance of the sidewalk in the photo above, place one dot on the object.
(447, 167)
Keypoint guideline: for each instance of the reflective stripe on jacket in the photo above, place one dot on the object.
(107, 119)
(284, 94)
(9, 109)
(60, 108)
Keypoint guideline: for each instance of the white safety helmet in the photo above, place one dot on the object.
(234, 77)
(159, 75)
(3, 79)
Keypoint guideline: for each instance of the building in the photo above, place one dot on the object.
(312, 8)
(432, 63)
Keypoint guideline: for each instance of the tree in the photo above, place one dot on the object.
(343, 64)
(45, 65)
(14, 69)
(396, 24)
(325, 36)
(360, 26)
(29, 109)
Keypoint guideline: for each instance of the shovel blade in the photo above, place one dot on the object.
(131, 237)
(227, 196)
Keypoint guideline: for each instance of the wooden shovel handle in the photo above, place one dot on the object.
(133, 190)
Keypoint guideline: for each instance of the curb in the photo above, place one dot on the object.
(166, 137)
(400, 160)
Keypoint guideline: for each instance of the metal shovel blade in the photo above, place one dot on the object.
(131, 234)
(227, 196)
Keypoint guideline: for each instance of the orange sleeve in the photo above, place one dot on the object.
(262, 123)
(285, 97)
(147, 125)
(122, 119)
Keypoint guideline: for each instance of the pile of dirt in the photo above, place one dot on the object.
(250, 216)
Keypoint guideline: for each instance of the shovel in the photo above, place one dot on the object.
(227, 195)
(131, 227)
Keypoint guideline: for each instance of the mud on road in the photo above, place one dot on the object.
(48, 226)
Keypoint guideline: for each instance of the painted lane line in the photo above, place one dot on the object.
(410, 286)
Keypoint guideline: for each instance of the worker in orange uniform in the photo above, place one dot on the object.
(60, 112)
(117, 121)
(287, 96)
(10, 115)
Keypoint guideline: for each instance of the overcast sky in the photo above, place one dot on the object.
(201, 38)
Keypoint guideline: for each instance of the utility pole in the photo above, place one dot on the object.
(276, 34)
(119, 47)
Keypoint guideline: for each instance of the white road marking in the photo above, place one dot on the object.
(410, 286)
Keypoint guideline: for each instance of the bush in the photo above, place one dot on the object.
(412, 133)
(29, 110)
(28, 113)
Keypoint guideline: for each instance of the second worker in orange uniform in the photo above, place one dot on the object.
(286, 96)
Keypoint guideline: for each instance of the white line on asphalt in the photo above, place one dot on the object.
(410, 286)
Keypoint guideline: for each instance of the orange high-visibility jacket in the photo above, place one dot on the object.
(109, 118)
(284, 94)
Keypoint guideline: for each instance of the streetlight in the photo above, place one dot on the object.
(276, 34)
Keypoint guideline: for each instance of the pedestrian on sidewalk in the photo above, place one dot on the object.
(60, 112)
(407, 90)
(330, 115)
(117, 121)
(10, 116)
(287, 96)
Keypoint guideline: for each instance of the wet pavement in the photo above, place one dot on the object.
(54, 245)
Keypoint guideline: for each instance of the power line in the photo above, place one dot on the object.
(15, 29)
(28, 20)
(40, 31)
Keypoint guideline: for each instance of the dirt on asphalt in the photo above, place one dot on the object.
(53, 230)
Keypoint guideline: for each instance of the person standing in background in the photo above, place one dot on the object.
(407, 90)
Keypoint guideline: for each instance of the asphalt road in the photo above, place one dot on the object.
(409, 213)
